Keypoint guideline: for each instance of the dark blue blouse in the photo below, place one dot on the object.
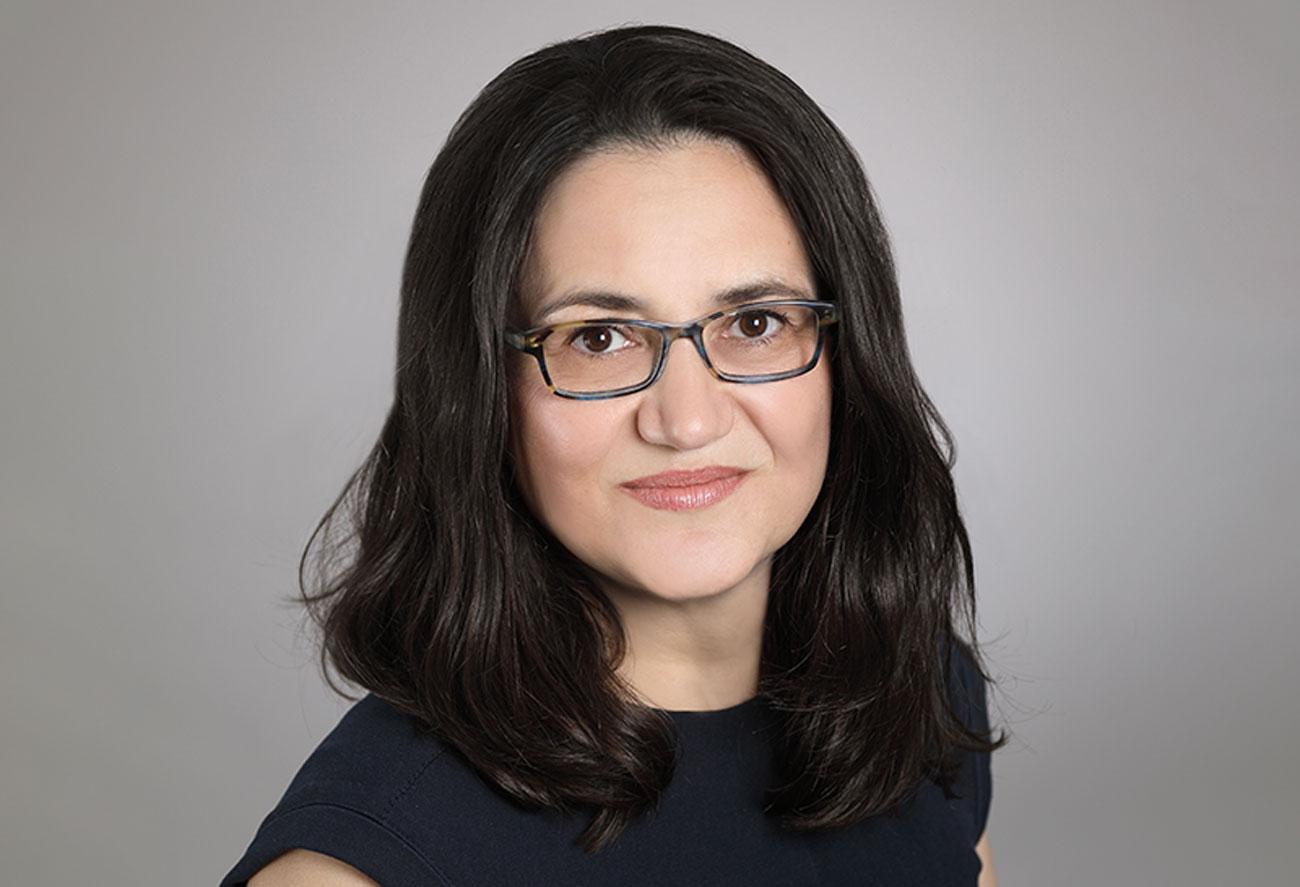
(407, 810)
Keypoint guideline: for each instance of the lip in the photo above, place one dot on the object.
(692, 478)
(685, 490)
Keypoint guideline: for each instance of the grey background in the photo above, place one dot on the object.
(1094, 208)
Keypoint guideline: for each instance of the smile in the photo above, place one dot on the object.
(684, 498)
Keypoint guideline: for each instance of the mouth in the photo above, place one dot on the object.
(686, 490)
(686, 478)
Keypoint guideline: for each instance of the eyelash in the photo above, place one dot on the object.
(574, 334)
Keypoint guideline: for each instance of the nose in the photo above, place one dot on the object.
(687, 407)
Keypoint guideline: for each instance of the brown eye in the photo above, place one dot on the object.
(595, 340)
(756, 324)
(753, 324)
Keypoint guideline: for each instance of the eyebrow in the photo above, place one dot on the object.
(609, 300)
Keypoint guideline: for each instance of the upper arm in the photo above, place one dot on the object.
(307, 868)
(988, 876)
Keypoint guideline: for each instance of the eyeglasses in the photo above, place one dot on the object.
(610, 357)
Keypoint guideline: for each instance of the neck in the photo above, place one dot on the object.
(697, 652)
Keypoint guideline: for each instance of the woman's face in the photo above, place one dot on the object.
(669, 228)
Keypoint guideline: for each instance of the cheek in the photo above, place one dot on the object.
(795, 421)
(798, 418)
(562, 446)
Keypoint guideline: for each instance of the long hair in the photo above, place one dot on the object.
(446, 597)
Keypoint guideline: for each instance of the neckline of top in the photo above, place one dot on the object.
(713, 714)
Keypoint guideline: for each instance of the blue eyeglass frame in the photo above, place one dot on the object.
(530, 342)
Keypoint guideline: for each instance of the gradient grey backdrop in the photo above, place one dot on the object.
(1095, 209)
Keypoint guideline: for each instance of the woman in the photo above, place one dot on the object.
(658, 558)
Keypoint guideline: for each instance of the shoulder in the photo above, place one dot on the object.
(970, 701)
(368, 753)
(967, 686)
(307, 868)
(348, 803)
(367, 762)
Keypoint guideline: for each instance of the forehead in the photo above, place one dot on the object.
(669, 227)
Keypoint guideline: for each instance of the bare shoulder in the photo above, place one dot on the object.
(988, 875)
(307, 868)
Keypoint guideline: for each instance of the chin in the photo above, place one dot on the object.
(674, 578)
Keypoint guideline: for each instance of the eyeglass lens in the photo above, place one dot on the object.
(592, 358)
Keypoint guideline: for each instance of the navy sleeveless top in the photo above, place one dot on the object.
(406, 809)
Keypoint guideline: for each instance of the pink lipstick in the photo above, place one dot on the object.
(682, 490)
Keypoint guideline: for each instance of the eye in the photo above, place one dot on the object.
(595, 340)
(759, 323)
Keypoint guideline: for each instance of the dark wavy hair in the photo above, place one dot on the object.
(446, 597)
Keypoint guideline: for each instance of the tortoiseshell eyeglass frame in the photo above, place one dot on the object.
(530, 342)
